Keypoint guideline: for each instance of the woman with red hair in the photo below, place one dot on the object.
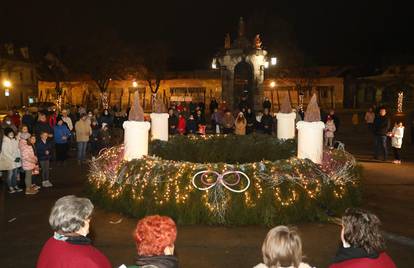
(155, 237)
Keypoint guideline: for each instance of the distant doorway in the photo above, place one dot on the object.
(243, 84)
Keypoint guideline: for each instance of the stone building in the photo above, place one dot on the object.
(17, 68)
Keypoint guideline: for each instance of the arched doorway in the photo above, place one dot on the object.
(243, 84)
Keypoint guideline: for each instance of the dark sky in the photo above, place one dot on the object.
(326, 32)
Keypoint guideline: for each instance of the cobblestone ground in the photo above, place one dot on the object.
(388, 191)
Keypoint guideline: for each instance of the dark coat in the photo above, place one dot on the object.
(382, 125)
(42, 148)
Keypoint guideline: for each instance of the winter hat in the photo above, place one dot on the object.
(25, 136)
(7, 131)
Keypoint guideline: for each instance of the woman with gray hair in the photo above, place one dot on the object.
(69, 247)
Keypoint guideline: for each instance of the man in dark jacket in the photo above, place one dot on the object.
(42, 126)
(172, 122)
(267, 122)
(382, 126)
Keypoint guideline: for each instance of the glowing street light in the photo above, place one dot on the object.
(273, 61)
(7, 84)
(272, 84)
(135, 84)
(214, 64)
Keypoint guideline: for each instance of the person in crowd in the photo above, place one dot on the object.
(69, 246)
(29, 163)
(282, 247)
(44, 154)
(23, 132)
(200, 122)
(179, 107)
(228, 122)
(397, 135)
(104, 137)
(191, 125)
(369, 119)
(42, 126)
(335, 119)
(8, 123)
(52, 117)
(267, 104)
(28, 119)
(172, 122)
(215, 120)
(381, 128)
(258, 123)
(15, 117)
(355, 121)
(213, 105)
(10, 159)
(66, 119)
(362, 242)
(251, 120)
(192, 107)
(94, 141)
(329, 132)
(119, 118)
(61, 135)
(243, 104)
(240, 124)
(83, 131)
(107, 118)
(181, 127)
(155, 238)
(267, 122)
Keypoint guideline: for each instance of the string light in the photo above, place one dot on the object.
(169, 182)
(400, 102)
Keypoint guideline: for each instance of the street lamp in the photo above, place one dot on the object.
(273, 61)
(272, 84)
(7, 84)
(214, 64)
(135, 84)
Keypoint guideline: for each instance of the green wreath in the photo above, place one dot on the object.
(279, 188)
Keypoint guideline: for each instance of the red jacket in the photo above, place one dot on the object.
(383, 261)
(60, 254)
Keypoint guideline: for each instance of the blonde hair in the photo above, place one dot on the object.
(282, 247)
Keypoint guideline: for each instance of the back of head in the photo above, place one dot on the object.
(154, 234)
(361, 229)
(282, 248)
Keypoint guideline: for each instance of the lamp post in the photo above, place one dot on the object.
(7, 86)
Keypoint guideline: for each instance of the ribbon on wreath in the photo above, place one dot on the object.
(220, 180)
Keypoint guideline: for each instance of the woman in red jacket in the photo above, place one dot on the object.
(362, 243)
(69, 247)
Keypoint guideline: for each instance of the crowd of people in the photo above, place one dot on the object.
(362, 243)
(30, 142)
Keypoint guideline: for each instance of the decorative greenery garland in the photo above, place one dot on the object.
(280, 191)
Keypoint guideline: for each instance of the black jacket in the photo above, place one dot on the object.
(382, 125)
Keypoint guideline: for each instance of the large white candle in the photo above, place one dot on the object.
(286, 125)
(135, 139)
(310, 140)
(159, 126)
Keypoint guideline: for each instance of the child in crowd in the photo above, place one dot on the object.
(329, 132)
(94, 142)
(181, 124)
(44, 153)
(104, 137)
(23, 133)
(191, 125)
(282, 248)
(29, 163)
(10, 159)
(397, 135)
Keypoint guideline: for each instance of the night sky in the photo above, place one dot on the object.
(325, 32)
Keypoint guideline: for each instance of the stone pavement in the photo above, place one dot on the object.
(388, 191)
